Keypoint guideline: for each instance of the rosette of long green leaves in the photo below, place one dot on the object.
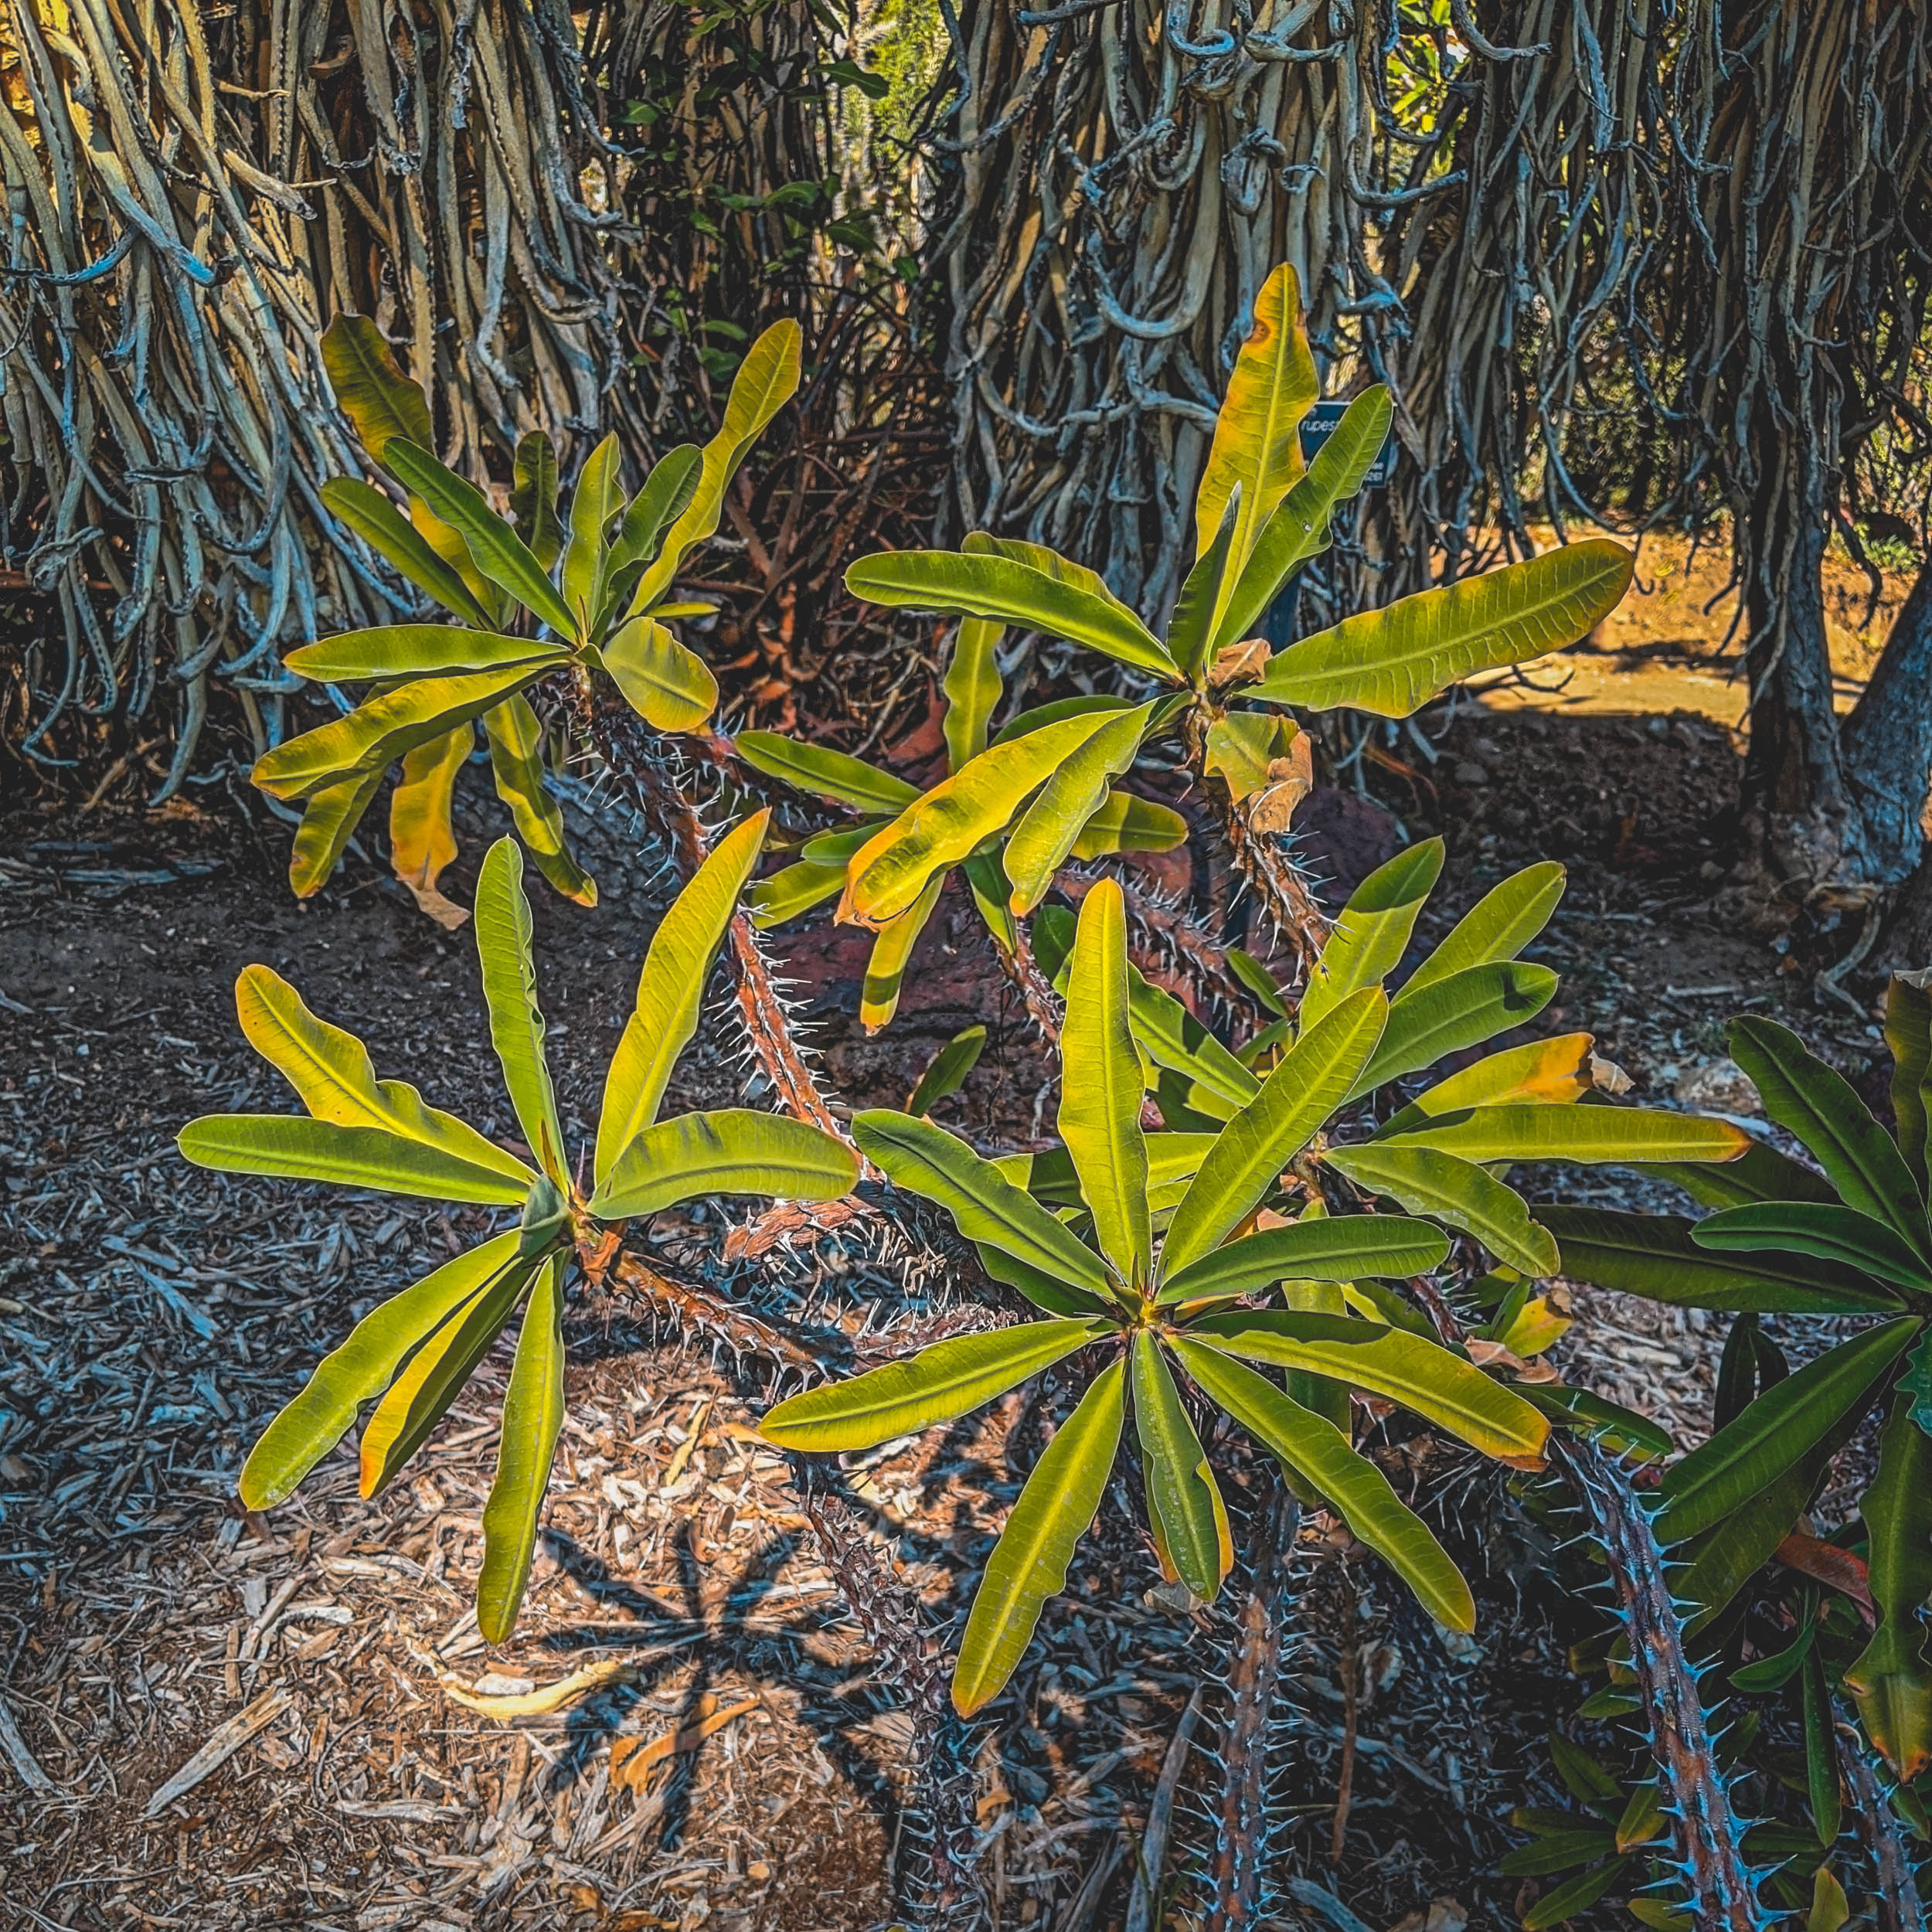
(525, 597)
(1260, 514)
(1853, 1239)
(412, 1355)
(1075, 813)
(1155, 1257)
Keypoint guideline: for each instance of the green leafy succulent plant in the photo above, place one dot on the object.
(1261, 513)
(1153, 1247)
(1075, 813)
(528, 595)
(1787, 1239)
(412, 1355)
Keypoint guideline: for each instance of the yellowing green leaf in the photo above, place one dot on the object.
(1183, 1506)
(597, 500)
(944, 825)
(381, 729)
(305, 1150)
(1457, 1192)
(422, 841)
(1124, 823)
(516, 766)
(1586, 1134)
(1550, 1073)
(1050, 827)
(1392, 661)
(671, 989)
(1257, 443)
(892, 949)
(1343, 1247)
(1449, 1015)
(330, 815)
(533, 497)
(665, 684)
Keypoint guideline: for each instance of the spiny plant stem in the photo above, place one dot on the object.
(1239, 1813)
(1709, 1840)
(1895, 1894)
(1268, 866)
(711, 1316)
(940, 1801)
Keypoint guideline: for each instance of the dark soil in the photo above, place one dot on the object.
(156, 1315)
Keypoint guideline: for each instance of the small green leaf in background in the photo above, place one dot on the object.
(533, 497)
(971, 688)
(945, 1071)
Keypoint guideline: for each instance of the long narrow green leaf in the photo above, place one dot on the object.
(1333, 1248)
(532, 1419)
(1123, 823)
(1050, 827)
(1547, 1073)
(1455, 1191)
(503, 935)
(766, 381)
(1761, 1173)
(671, 990)
(1257, 449)
(666, 495)
(1585, 1135)
(792, 891)
(1368, 940)
(1655, 1255)
(305, 1150)
(496, 550)
(419, 1397)
(1306, 1087)
(1717, 1565)
(599, 498)
(1827, 1230)
(1171, 1037)
(335, 1079)
(947, 1070)
(950, 1379)
(382, 729)
(1452, 1014)
(1499, 926)
(946, 823)
(399, 544)
(971, 688)
(1891, 1678)
(1183, 1506)
(516, 769)
(831, 774)
(1908, 1032)
(1191, 629)
(1028, 1563)
(1299, 529)
(1100, 1109)
(1775, 1432)
(732, 1150)
(1026, 586)
(359, 1370)
(1392, 661)
(986, 1207)
(1419, 1374)
(1320, 1454)
(1820, 1106)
